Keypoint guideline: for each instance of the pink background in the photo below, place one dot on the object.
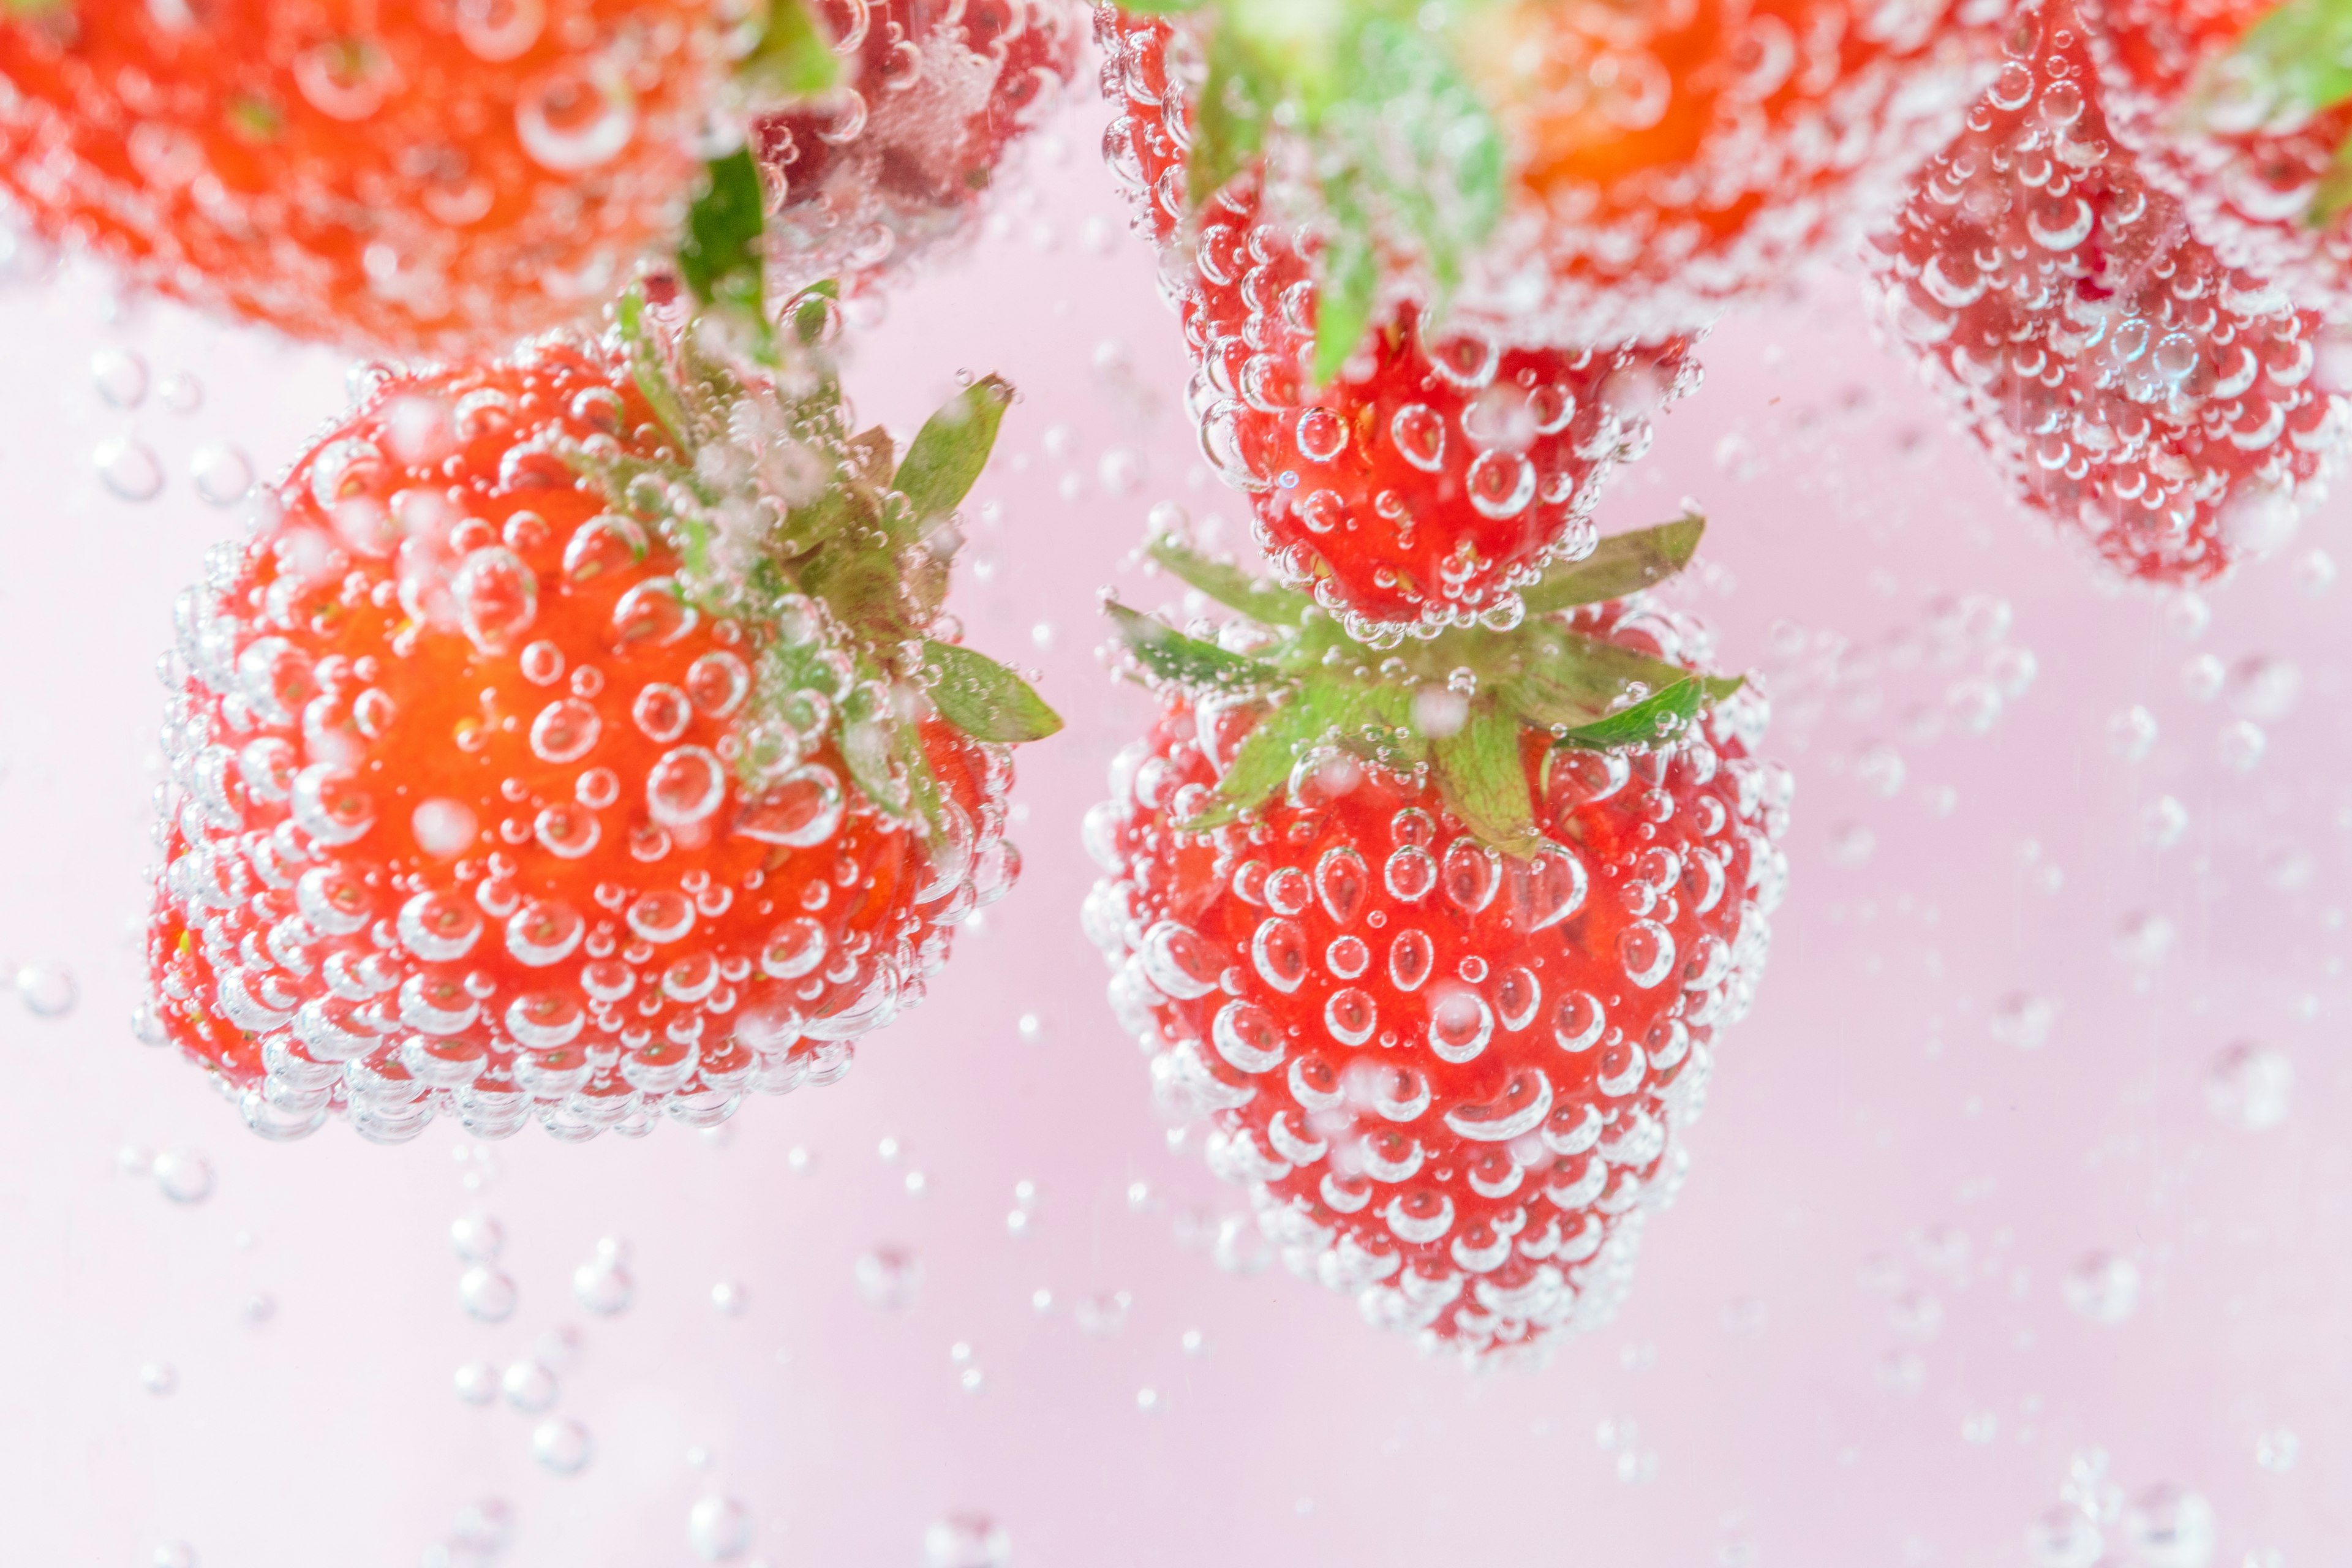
(1850, 1342)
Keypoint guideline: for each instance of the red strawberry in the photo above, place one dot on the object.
(2217, 97)
(566, 742)
(433, 176)
(900, 156)
(1431, 480)
(2147, 396)
(1644, 167)
(1446, 983)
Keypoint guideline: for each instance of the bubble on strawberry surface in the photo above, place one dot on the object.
(2153, 402)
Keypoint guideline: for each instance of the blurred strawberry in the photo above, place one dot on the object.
(1588, 173)
(1440, 948)
(1431, 480)
(580, 736)
(2241, 109)
(899, 156)
(2147, 396)
(441, 178)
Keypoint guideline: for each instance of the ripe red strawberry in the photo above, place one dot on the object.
(899, 157)
(1431, 480)
(567, 742)
(1615, 173)
(2233, 108)
(2147, 397)
(1444, 969)
(443, 177)
(434, 176)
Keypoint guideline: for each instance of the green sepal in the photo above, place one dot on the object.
(984, 699)
(1317, 710)
(719, 257)
(1659, 717)
(1229, 585)
(1169, 655)
(1621, 564)
(1229, 124)
(793, 59)
(2333, 192)
(948, 453)
(1483, 780)
(650, 373)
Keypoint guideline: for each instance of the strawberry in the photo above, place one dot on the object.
(579, 736)
(2239, 110)
(1588, 173)
(1441, 471)
(441, 177)
(2147, 396)
(897, 158)
(1440, 948)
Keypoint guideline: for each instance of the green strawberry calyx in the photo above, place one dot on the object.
(839, 544)
(1459, 705)
(2293, 62)
(1403, 156)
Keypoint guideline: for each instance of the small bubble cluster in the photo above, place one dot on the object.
(2149, 398)
(898, 158)
(430, 177)
(478, 808)
(1453, 1082)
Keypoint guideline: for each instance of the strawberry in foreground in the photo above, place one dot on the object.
(1586, 173)
(900, 154)
(580, 737)
(1440, 943)
(2242, 111)
(2150, 399)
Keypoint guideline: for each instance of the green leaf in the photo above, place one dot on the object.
(794, 58)
(1318, 710)
(949, 451)
(1169, 655)
(1261, 601)
(1350, 290)
(2334, 193)
(651, 375)
(1484, 782)
(984, 699)
(720, 254)
(1623, 564)
(1658, 717)
(1229, 121)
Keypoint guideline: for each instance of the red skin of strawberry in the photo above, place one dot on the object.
(2148, 398)
(460, 179)
(418, 862)
(902, 155)
(1543, 1069)
(1430, 481)
(2247, 188)
(1734, 144)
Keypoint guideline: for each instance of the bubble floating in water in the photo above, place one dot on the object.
(967, 1541)
(2103, 1287)
(174, 1554)
(222, 472)
(487, 1295)
(2249, 1086)
(603, 1284)
(476, 1382)
(476, 1237)
(129, 467)
(2171, 1527)
(719, 1529)
(529, 1386)
(561, 1446)
(46, 990)
(889, 1278)
(183, 1176)
(159, 1378)
(121, 378)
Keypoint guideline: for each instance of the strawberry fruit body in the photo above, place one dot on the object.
(899, 156)
(433, 177)
(558, 747)
(1448, 1043)
(2155, 402)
